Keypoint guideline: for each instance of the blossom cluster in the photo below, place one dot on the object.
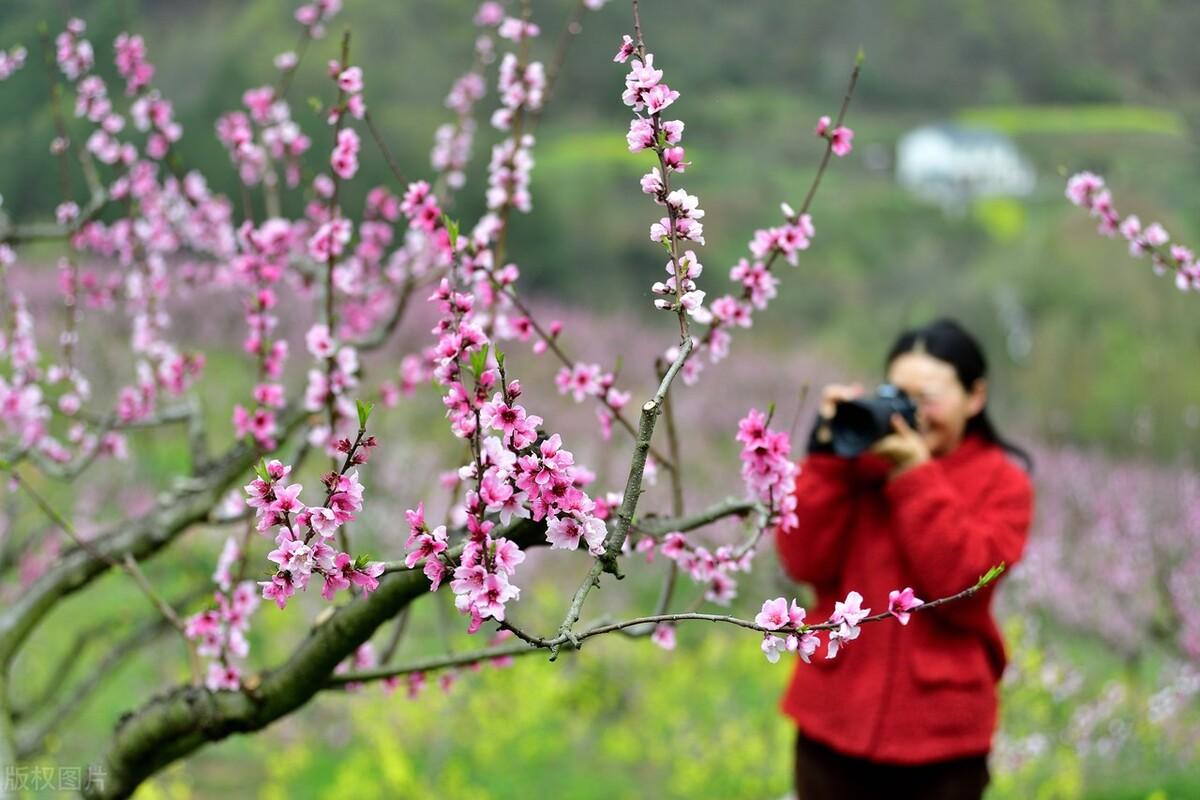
(840, 137)
(220, 632)
(756, 284)
(316, 15)
(166, 215)
(712, 569)
(480, 578)
(132, 64)
(452, 140)
(1087, 190)
(517, 471)
(778, 616)
(11, 60)
(767, 466)
(261, 263)
(646, 93)
(583, 380)
(304, 535)
(265, 135)
(350, 85)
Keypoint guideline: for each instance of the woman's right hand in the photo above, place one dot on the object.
(836, 393)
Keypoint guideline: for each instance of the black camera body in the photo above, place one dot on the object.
(858, 424)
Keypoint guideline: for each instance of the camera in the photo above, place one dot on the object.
(858, 424)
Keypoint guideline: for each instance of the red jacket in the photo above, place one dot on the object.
(923, 692)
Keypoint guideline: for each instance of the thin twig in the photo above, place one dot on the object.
(129, 565)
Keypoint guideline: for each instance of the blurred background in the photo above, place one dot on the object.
(969, 116)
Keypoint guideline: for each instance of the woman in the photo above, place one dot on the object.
(907, 712)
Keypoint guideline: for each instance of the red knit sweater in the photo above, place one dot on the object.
(923, 692)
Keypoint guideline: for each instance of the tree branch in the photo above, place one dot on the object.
(185, 719)
(607, 561)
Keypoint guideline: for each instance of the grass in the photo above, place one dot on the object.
(1075, 120)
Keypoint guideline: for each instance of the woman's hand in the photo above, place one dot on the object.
(905, 448)
(831, 395)
(836, 393)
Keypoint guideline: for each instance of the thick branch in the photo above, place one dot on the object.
(180, 722)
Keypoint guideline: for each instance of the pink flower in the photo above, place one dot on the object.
(518, 429)
(673, 131)
(435, 570)
(805, 645)
(489, 15)
(674, 545)
(344, 158)
(664, 636)
(774, 614)
(367, 578)
(287, 500)
(841, 139)
(849, 611)
(772, 646)
(1082, 186)
(657, 98)
(563, 532)
(842, 634)
(508, 555)
(278, 589)
(490, 600)
(642, 74)
(626, 50)
(323, 521)
(641, 134)
(427, 545)
(1156, 235)
(581, 380)
(350, 80)
(674, 158)
(319, 342)
(901, 602)
(652, 183)
(222, 676)
(796, 615)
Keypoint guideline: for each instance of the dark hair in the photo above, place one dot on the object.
(946, 340)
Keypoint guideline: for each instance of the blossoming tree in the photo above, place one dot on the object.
(151, 228)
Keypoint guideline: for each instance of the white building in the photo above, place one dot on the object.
(951, 165)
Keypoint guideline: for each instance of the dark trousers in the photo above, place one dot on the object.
(825, 774)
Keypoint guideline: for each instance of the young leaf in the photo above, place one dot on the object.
(451, 230)
(364, 413)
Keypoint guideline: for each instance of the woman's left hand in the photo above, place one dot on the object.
(905, 448)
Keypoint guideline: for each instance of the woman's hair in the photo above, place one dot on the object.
(946, 340)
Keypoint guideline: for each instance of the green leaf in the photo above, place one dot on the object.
(451, 230)
(990, 575)
(364, 413)
(479, 361)
(260, 469)
(315, 104)
(362, 561)
(500, 358)
(860, 57)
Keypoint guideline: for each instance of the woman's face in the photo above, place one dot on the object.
(943, 405)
